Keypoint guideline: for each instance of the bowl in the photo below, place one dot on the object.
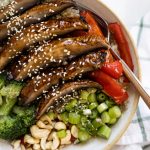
(118, 130)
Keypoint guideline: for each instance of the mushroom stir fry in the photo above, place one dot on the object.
(59, 83)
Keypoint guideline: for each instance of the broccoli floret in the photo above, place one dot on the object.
(12, 90)
(17, 124)
(7, 105)
(2, 80)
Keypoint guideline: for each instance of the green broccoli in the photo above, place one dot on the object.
(17, 124)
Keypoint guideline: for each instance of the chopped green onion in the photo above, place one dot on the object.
(87, 112)
(83, 136)
(52, 115)
(112, 121)
(71, 105)
(84, 120)
(92, 90)
(104, 132)
(109, 103)
(114, 112)
(1, 100)
(74, 118)
(61, 134)
(105, 117)
(93, 105)
(101, 97)
(97, 122)
(94, 114)
(64, 117)
(81, 127)
(84, 95)
(92, 97)
(102, 107)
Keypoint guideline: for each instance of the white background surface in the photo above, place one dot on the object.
(130, 11)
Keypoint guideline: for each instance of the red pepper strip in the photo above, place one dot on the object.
(110, 86)
(113, 69)
(123, 46)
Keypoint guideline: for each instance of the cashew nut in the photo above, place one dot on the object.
(16, 144)
(46, 119)
(53, 145)
(30, 140)
(60, 126)
(36, 146)
(22, 147)
(74, 131)
(41, 124)
(43, 143)
(39, 133)
(48, 145)
(67, 138)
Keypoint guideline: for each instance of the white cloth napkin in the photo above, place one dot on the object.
(138, 133)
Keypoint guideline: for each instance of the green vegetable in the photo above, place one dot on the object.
(93, 105)
(92, 97)
(74, 118)
(110, 103)
(52, 115)
(15, 125)
(71, 105)
(1, 100)
(81, 127)
(104, 132)
(7, 105)
(94, 114)
(83, 136)
(102, 107)
(114, 112)
(97, 123)
(112, 121)
(64, 117)
(12, 90)
(2, 80)
(84, 95)
(105, 117)
(101, 97)
(84, 120)
(61, 134)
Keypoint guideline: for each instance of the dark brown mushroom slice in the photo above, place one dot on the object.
(35, 15)
(42, 82)
(52, 98)
(15, 7)
(37, 33)
(57, 52)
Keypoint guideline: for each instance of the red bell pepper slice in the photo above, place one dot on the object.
(123, 46)
(114, 69)
(110, 86)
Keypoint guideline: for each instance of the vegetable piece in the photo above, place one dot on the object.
(110, 103)
(114, 69)
(93, 25)
(92, 90)
(52, 115)
(84, 120)
(114, 112)
(87, 112)
(97, 122)
(74, 118)
(14, 126)
(123, 46)
(104, 132)
(94, 114)
(64, 117)
(93, 105)
(84, 95)
(1, 100)
(112, 121)
(7, 105)
(105, 117)
(101, 97)
(71, 105)
(92, 97)
(2, 80)
(61, 134)
(102, 107)
(111, 86)
(12, 90)
(83, 136)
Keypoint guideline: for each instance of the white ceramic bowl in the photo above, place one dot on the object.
(124, 121)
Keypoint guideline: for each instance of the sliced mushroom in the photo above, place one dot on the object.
(52, 98)
(42, 82)
(37, 33)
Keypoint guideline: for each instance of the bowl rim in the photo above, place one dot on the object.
(137, 96)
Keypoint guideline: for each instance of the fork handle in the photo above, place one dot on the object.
(136, 83)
